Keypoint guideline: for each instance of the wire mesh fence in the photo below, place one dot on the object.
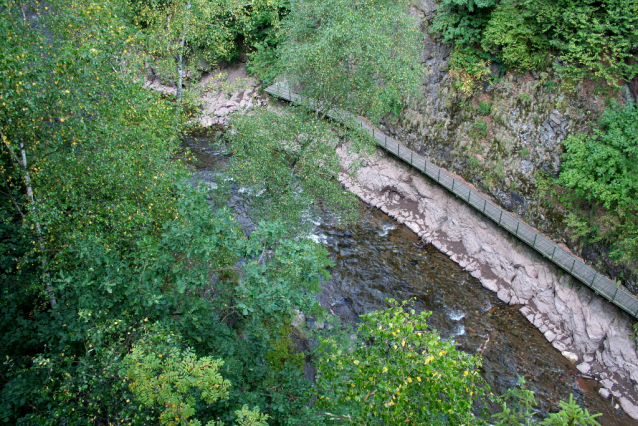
(600, 284)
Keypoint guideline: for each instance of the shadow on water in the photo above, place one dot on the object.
(377, 259)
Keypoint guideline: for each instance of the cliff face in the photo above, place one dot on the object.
(505, 137)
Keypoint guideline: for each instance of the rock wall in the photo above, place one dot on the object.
(585, 328)
(505, 136)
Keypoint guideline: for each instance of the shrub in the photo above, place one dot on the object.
(485, 108)
(479, 129)
(513, 33)
(398, 372)
(598, 46)
(461, 22)
(524, 34)
(468, 70)
(602, 169)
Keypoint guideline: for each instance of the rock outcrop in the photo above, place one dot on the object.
(505, 136)
(223, 92)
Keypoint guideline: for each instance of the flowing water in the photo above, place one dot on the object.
(377, 259)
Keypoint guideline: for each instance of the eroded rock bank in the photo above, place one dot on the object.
(590, 332)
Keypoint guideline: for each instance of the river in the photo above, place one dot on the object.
(377, 258)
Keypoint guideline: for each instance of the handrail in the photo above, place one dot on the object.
(592, 279)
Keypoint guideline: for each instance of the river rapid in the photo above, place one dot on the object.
(376, 258)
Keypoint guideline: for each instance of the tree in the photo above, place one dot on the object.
(397, 372)
(127, 242)
(289, 160)
(571, 415)
(181, 32)
(359, 56)
(183, 35)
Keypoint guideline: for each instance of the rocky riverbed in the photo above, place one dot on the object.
(591, 333)
(378, 258)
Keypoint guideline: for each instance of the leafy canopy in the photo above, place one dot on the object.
(601, 169)
(592, 38)
(354, 56)
(359, 56)
(127, 243)
(289, 159)
(397, 372)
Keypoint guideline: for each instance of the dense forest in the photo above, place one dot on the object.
(128, 299)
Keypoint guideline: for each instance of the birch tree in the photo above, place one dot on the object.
(181, 33)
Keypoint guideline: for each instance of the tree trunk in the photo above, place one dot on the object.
(180, 73)
(38, 228)
(180, 60)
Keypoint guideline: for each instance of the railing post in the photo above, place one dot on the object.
(593, 279)
(553, 253)
(573, 264)
(484, 205)
(517, 225)
(469, 194)
(412, 158)
(499, 219)
(385, 142)
(438, 179)
(613, 299)
(534, 244)
(453, 180)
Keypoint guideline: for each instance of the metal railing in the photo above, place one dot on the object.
(600, 284)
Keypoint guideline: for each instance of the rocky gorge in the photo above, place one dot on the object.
(528, 118)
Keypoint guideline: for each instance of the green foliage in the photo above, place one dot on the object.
(174, 382)
(357, 56)
(571, 415)
(473, 162)
(283, 351)
(601, 169)
(592, 38)
(290, 161)
(163, 376)
(524, 97)
(520, 412)
(479, 129)
(523, 152)
(468, 70)
(462, 22)
(485, 108)
(397, 372)
(125, 242)
(176, 39)
(182, 36)
(513, 33)
(264, 34)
